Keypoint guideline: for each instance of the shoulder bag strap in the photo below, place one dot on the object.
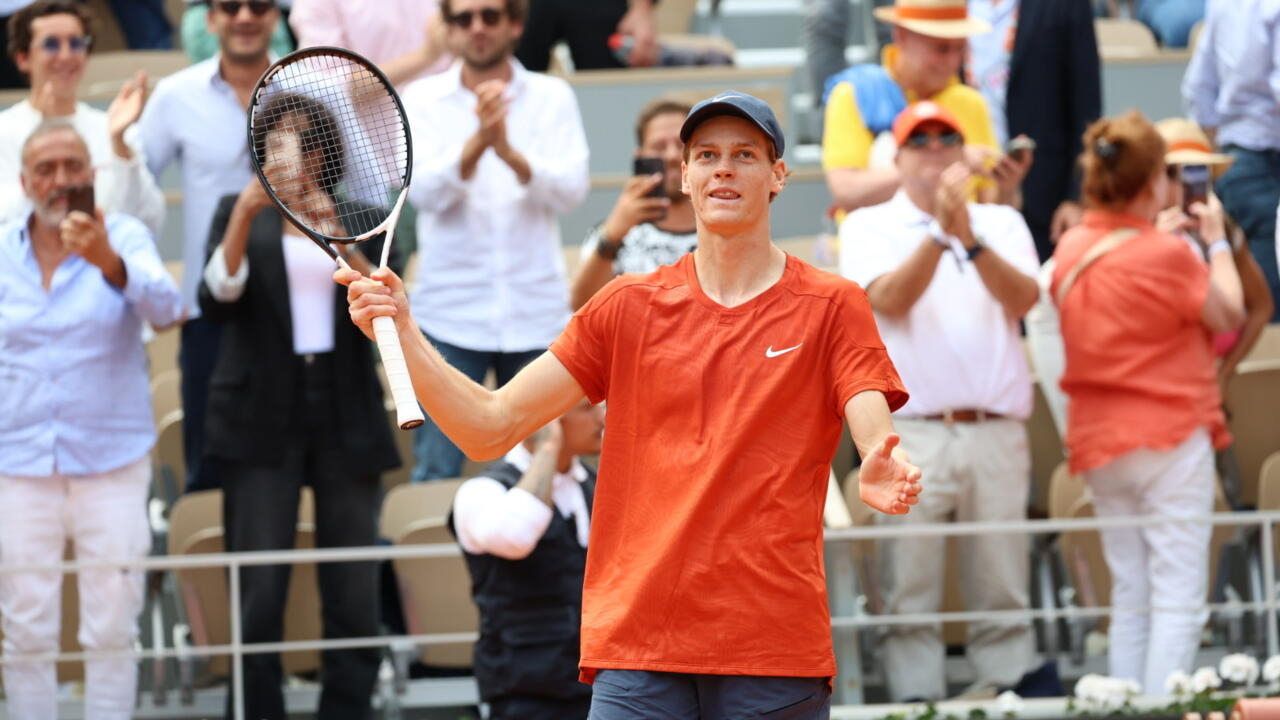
(1111, 241)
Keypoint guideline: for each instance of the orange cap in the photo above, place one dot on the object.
(918, 114)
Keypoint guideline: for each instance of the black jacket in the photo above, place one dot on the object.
(254, 400)
(1054, 93)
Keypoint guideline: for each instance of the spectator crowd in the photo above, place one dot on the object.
(1005, 235)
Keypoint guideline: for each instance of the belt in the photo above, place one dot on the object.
(964, 415)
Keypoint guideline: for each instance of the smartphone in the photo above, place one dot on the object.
(80, 197)
(651, 166)
(1195, 185)
(1018, 147)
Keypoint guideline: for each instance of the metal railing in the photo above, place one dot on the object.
(234, 561)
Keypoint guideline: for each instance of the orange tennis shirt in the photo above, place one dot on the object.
(706, 531)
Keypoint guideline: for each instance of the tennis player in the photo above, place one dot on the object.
(728, 376)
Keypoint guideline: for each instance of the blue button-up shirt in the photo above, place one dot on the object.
(1233, 81)
(195, 118)
(74, 395)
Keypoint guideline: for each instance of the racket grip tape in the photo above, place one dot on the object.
(408, 414)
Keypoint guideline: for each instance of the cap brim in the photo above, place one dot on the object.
(1196, 157)
(935, 28)
(716, 109)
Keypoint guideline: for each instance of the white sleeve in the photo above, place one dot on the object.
(864, 254)
(223, 286)
(559, 174)
(1016, 245)
(134, 190)
(492, 520)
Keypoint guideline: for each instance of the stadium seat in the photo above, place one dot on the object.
(162, 351)
(195, 527)
(170, 474)
(404, 445)
(166, 394)
(1120, 38)
(1252, 398)
(435, 592)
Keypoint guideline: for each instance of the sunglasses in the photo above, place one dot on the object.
(78, 45)
(231, 8)
(489, 16)
(921, 139)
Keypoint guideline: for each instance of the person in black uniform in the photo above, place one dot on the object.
(294, 400)
(523, 525)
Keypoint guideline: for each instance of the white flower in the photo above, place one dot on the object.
(1101, 693)
(1239, 668)
(1271, 669)
(1178, 684)
(1009, 703)
(1205, 679)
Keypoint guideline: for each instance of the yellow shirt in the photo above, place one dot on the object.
(846, 141)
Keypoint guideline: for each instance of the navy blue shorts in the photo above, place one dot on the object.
(644, 695)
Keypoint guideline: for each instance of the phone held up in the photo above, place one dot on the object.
(1195, 185)
(80, 197)
(1018, 147)
(652, 166)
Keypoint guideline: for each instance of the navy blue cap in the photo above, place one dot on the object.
(732, 102)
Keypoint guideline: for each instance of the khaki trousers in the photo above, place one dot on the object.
(971, 472)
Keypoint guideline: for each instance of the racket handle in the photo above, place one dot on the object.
(408, 414)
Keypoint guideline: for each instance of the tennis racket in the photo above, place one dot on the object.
(330, 142)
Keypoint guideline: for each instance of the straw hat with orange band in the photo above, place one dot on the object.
(1186, 144)
(936, 18)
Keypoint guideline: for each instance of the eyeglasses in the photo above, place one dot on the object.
(489, 16)
(1172, 171)
(921, 139)
(78, 44)
(231, 8)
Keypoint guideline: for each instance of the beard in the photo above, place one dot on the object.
(483, 62)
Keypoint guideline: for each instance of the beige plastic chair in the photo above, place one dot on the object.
(166, 394)
(162, 352)
(1252, 400)
(1046, 450)
(169, 460)
(435, 592)
(1269, 491)
(674, 16)
(1266, 349)
(195, 527)
(1122, 38)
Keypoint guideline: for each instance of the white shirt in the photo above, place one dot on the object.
(956, 348)
(195, 118)
(309, 277)
(490, 273)
(490, 519)
(120, 186)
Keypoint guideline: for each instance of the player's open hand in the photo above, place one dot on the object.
(381, 295)
(888, 481)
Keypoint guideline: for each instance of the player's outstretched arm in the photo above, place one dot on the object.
(887, 481)
(484, 424)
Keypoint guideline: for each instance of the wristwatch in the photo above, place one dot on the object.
(607, 249)
(978, 247)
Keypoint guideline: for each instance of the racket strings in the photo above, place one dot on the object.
(331, 142)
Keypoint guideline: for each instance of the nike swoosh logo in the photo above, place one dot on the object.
(771, 353)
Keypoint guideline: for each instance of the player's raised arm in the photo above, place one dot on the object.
(483, 423)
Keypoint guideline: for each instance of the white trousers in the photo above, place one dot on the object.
(972, 472)
(105, 518)
(1156, 566)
